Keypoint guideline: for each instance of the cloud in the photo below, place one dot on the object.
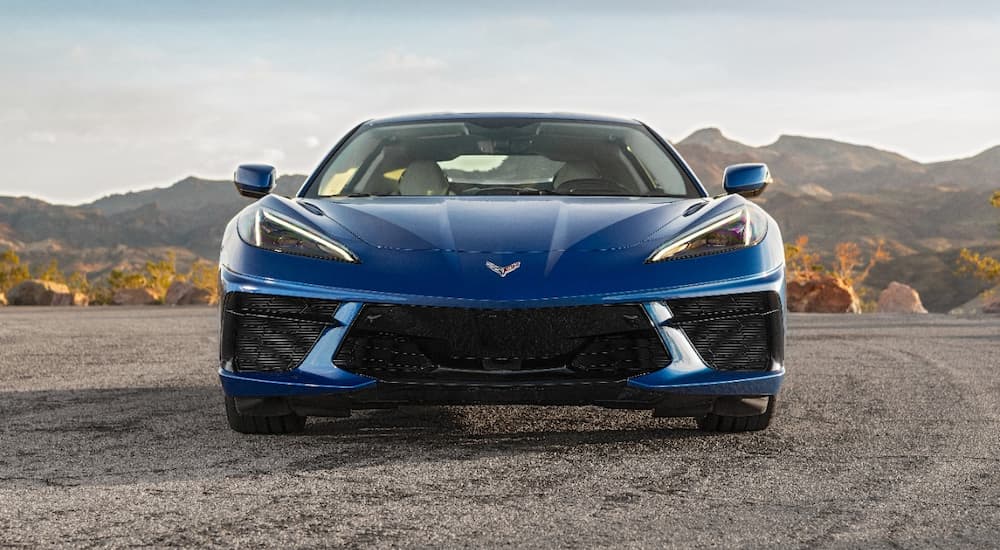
(311, 142)
(394, 61)
(42, 137)
(272, 155)
(79, 52)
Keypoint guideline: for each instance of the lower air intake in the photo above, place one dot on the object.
(734, 331)
(267, 333)
(416, 343)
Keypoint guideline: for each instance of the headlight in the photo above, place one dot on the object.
(733, 230)
(269, 230)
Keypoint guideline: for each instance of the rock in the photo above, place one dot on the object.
(987, 301)
(186, 294)
(44, 293)
(900, 298)
(3, 299)
(133, 297)
(823, 295)
(71, 299)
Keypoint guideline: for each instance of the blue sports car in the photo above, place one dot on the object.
(542, 259)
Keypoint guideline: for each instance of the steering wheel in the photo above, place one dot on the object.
(592, 186)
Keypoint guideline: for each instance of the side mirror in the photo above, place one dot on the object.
(254, 180)
(748, 180)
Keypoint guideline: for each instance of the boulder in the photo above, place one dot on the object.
(133, 297)
(71, 299)
(44, 293)
(3, 299)
(900, 298)
(822, 295)
(186, 294)
(987, 301)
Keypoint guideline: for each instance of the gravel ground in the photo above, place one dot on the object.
(112, 434)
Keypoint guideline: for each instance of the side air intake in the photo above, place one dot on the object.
(733, 331)
(268, 333)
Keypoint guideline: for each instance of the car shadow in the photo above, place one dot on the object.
(126, 435)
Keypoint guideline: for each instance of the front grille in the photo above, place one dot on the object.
(393, 342)
(734, 331)
(267, 333)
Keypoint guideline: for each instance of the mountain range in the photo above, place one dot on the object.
(827, 190)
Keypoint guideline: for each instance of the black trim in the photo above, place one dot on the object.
(612, 395)
(270, 333)
(430, 344)
(733, 331)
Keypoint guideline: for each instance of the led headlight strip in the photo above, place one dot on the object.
(733, 230)
(272, 231)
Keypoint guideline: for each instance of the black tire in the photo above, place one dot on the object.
(284, 424)
(734, 424)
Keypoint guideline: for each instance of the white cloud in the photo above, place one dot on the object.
(311, 142)
(42, 137)
(398, 61)
(78, 52)
(272, 155)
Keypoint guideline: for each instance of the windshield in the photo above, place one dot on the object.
(478, 157)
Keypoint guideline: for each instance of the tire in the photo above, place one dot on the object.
(284, 424)
(734, 424)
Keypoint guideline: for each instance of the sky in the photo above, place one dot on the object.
(99, 97)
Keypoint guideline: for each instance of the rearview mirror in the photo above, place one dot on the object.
(254, 180)
(748, 180)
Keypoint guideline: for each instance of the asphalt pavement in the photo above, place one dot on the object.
(887, 434)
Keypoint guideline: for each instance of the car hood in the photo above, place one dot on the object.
(502, 224)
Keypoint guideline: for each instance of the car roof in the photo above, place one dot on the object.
(446, 117)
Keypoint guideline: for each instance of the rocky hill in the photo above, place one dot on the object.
(828, 190)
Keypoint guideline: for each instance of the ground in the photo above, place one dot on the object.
(112, 433)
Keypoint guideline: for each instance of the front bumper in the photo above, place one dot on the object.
(686, 373)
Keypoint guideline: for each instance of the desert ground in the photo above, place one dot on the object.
(112, 433)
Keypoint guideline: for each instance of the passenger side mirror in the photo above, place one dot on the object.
(748, 180)
(254, 180)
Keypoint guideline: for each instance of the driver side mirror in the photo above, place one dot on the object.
(748, 180)
(254, 180)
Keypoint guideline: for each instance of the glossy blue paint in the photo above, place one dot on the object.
(685, 374)
(594, 262)
(254, 180)
(573, 251)
(316, 375)
(748, 180)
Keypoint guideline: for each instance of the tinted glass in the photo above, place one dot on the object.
(537, 157)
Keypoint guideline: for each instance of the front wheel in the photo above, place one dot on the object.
(714, 422)
(247, 424)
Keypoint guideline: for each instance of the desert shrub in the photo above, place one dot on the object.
(12, 271)
(160, 274)
(51, 272)
(801, 263)
(849, 267)
(205, 275)
(977, 265)
(101, 292)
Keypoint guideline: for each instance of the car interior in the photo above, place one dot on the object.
(465, 159)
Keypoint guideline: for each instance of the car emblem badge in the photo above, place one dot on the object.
(503, 271)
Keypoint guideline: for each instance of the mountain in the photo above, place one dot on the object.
(827, 190)
(190, 193)
(126, 230)
(834, 192)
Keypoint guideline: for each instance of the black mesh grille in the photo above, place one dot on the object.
(732, 332)
(262, 332)
(437, 343)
